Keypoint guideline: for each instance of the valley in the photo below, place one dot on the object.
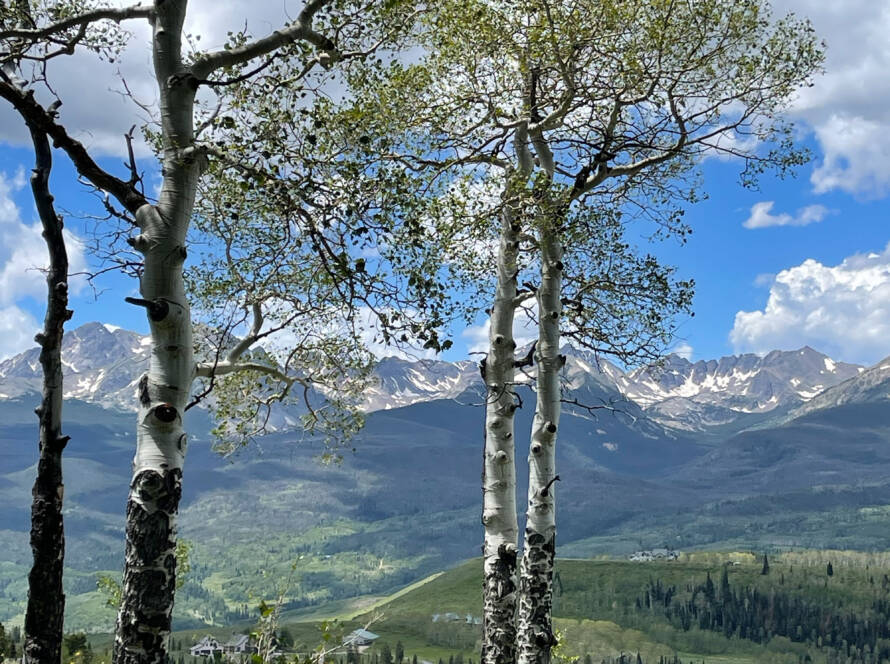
(797, 475)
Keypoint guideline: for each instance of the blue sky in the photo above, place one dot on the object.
(810, 267)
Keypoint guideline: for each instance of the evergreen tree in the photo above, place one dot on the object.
(400, 652)
(4, 642)
(385, 654)
(765, 569)
(830, 569)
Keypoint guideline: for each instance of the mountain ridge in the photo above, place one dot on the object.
(104, 363)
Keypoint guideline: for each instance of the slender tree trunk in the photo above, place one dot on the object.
(46, 601)
(499, 465)
(535, 628)
(149, 582)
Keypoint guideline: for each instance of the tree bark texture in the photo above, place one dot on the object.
(46, 601)
(535, 630)
(149, 582)
(499, 466)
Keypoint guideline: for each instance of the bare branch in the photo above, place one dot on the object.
(81, 21)
(44, 121)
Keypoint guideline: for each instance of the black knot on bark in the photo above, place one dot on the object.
(166, 413)
(551, 427)
(157, 309)
(499, 339)
(546, 490)
(144, 397)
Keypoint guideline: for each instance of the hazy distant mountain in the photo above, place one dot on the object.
(870, 385)
(402, 383)
(104, 364)
(650, 457)
(704, 394)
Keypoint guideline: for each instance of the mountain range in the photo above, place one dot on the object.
(782, 450)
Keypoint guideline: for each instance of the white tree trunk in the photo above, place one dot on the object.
(535, 631)
(150, 570)
(499, 465)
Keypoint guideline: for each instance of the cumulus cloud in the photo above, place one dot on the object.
(683, 349)
(23, 252)
(846, 107)
(17, 330)
(525, 330)
(762, 217)
(22, 260)
(842, 310)
(97, 108)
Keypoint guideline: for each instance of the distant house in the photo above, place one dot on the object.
(452, 617)
(205, 647)
(654, 554)
(360, 638)
(238, 644)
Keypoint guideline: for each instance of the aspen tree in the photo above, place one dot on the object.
(322, 34)
(589, 114)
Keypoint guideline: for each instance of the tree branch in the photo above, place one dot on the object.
(43, 121)
(300, 29)
(79, 21)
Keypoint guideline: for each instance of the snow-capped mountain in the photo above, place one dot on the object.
(104, 364)
(402, 382)
(695, 396)
(868, 386)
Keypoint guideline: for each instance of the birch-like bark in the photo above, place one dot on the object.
(499, 465)
(46, 600)
(535, 629)
(149, 582)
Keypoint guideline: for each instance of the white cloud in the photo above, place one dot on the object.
(366, 327)
(762, 217)
(847, 106)
(843, 310)
(683, 349)
(23, 251)
(525, 330)
(856, 156)
(17, 330)
(96, 109)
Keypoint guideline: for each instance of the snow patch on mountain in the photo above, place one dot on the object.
(104, 362)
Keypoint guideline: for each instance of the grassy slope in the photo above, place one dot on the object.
(595, 610)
